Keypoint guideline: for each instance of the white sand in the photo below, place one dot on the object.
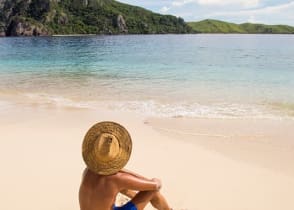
(205, 164)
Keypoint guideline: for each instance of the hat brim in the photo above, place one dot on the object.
(104, 166)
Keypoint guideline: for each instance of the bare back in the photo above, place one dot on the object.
(97, 192)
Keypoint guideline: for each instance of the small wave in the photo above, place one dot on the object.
(172, 110)
(193, 110)
(46, 99)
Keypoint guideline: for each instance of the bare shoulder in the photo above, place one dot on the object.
(116, 177)
(119, 178)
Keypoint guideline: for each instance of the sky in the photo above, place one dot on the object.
(236, 11)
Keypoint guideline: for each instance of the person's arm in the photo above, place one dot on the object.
(132, 182)
(128, 193)
(124, 170)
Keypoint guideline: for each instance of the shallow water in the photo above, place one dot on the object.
(159, 75)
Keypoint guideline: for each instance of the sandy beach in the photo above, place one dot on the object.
(205, 164)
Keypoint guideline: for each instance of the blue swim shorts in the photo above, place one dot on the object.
(128, 206)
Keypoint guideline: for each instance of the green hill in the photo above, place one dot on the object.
(216, 26)
(47, 17)
(267, 29)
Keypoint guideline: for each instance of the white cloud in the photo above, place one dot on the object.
(252, 19)
(266, 10)
(271, 14)
(164, 9)
(179, 3)
(241, 3)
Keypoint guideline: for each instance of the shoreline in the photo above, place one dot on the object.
(155, 108)
(69, 35)
(89, 35)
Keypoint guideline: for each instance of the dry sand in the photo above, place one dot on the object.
(205, 164)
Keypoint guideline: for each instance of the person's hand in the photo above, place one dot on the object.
(158, 183)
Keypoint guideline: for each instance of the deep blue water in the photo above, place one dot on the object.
(173, 75)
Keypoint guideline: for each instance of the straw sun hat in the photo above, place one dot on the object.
(106, 148)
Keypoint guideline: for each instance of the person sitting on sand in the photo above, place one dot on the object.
(106, 150)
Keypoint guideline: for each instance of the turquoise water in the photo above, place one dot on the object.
(166, 75)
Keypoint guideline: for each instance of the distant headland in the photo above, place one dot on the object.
(217, 26)
(65, 17)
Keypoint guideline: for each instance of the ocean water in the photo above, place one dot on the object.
(214, 76)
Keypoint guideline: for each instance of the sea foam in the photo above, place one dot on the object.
(152, 108)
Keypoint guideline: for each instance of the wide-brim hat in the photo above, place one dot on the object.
(107, 147)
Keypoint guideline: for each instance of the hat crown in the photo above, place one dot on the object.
(107, 147)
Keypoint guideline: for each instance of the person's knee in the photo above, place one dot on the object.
(154, 194)
(151, 192)
(156, 197)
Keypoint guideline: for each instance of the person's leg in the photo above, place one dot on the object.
(141, 199)
(159, 202)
